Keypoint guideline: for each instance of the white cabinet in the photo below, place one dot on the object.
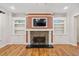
(19, 25)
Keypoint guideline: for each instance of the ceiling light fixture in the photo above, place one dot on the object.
(12, 7)
(66, 7)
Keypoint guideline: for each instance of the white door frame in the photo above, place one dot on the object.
(75, 25)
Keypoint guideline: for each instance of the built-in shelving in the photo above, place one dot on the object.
(19, 25)
(59, 25)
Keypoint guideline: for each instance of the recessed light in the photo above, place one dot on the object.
(12, 7)
(66, 7)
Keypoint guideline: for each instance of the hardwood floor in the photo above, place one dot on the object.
(21, 50)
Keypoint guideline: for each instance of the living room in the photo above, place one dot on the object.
(36, 27)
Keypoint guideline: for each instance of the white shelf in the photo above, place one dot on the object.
(18, 18)
(19, 29)
(19, 25)
(59, 25)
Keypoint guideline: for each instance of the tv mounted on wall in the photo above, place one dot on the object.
(39, 22)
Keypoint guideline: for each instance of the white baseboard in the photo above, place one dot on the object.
(74, 44)
(3, 45)
(27, 44)
(19, 43)
(62, 43)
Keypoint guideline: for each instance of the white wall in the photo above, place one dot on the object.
(72, 26)
(15, 39)
(70, 37)
(4, 28)
(63, 39)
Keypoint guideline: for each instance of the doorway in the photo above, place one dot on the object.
(76, 18)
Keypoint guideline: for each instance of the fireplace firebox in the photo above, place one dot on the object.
(38, 41)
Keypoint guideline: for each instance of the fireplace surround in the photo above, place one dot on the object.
(39, 36)
(39, 39)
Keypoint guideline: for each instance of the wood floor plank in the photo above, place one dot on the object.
(21, 50)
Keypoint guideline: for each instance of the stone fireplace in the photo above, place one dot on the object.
(39, 37)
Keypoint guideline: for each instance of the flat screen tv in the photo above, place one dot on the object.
(39, 22)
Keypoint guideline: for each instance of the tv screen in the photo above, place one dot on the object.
(39, 22)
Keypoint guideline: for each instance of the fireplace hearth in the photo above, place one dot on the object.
(39, 46)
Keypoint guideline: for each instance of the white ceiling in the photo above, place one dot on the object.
(39, 7)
